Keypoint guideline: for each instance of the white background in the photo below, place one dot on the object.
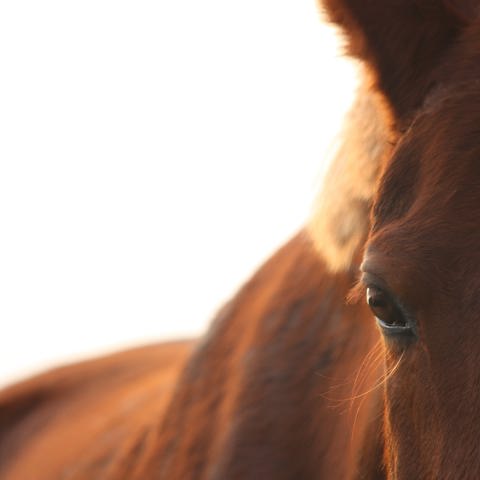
(152, 154)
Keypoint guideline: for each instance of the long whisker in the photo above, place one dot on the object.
(374, 352)
(370, 359)
(364, 395)
(374, 363)
(355, 418)
(381, 382)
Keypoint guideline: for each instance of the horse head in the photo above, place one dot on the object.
(420, 268)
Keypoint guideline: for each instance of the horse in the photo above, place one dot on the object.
(352, 353)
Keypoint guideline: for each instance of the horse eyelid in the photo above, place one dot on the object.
(370, 280)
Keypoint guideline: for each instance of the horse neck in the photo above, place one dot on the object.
(274, 390)
(285, 384)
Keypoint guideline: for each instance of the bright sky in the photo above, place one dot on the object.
(152, 154)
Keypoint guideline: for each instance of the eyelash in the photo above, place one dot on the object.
(357, 293)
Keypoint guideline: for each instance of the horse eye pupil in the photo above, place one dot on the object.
(377, 301)
(376, 298)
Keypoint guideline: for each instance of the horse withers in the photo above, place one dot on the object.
(352, 353)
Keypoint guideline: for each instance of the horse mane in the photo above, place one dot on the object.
(341, 214)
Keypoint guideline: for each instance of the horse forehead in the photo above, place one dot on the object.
(427, 266)
(428, 251)
(436, 215)
(433, 176)
(427, 210)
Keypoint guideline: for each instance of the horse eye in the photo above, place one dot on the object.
(388, 315)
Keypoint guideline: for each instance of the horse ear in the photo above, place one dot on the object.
(401, 41)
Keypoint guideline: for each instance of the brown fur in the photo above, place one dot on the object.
(291, 382)
(244, 407)
(86, 414)
(423, 245)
